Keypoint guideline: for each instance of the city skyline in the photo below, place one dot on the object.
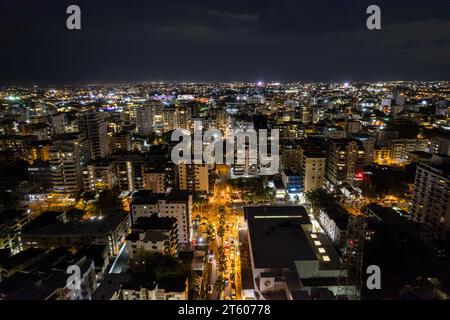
(224, 155)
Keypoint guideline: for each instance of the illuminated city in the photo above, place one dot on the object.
(319, 186)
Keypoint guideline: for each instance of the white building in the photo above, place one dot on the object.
(175, 204)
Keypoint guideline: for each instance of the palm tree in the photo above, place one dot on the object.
(220, 284)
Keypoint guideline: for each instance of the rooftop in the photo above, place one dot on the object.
(143, 197)
(103, 226)
(277, 237)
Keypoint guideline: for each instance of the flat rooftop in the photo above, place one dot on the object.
(147, 197)
(96, 227)
(276, 235)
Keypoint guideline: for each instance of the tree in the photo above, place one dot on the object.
(319, 198)
(209, 234)
(222, 260)
(164, 266)
(220, 284)
(108, 202)
(221, 231)
(222, 222)
(385, 180)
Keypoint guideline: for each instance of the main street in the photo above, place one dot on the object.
(230, 242)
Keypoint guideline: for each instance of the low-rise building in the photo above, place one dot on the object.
(111, 231)
(334, 221)
(149, 236)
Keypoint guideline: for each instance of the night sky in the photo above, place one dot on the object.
(214, 40)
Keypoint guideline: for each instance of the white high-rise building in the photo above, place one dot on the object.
(176, 205)
(65, 168)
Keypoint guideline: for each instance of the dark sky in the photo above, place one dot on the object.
(215, 40)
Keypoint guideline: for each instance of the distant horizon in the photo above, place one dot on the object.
(264, 83)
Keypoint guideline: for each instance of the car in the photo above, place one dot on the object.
(210, 289)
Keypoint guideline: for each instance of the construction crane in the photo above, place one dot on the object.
(350, 278)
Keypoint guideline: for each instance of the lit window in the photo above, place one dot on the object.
(322, 250)
(326, 258)
(313, 236)
(317, 243)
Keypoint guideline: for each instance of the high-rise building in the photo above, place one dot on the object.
(311, 168)
(344, 159)
(37, 150)
(349, 126)
(121, 141)
(173, 205)
(59, 123)
(431, 201)
(144, 119)
(440, 145)
(94, 127)
(400, 148)
(39, 171)
(100, 175)
(155, 178)
(193, 177)
(130, 170)
(289, 155)
(245, 158)
(65, 168)
(222, 120)
(158, 117)
(184, 114)
(368, 143)
(170, 119)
